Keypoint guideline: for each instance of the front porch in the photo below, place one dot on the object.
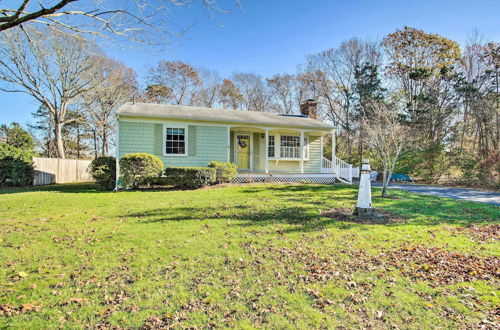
(267, 154)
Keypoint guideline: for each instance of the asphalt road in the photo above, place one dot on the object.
(473, 195)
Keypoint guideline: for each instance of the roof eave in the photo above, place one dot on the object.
(129, 114)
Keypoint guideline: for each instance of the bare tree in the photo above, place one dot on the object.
(254, 91)
(331, 75)
(181, 78)
(117, 85)
(284, 93)
(52, 67)
(206, 94)
(144, 21)
(387, 137)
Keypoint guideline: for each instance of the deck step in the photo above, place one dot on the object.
(343, 180)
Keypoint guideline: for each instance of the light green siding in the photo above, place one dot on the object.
(314, 162)
(313, 165)
(136, 137)
(205, 143)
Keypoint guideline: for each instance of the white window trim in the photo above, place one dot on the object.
(186, 140)
(277, 147)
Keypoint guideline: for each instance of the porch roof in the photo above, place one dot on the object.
(189, 113)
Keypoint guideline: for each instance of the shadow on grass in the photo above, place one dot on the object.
(70, 188)
(298, 205)
(77, 188)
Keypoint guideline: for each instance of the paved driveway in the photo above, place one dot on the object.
(472, 195)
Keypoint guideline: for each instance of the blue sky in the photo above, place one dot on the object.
(268, 37)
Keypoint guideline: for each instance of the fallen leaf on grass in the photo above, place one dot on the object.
(30, 307)
(441, 267)
(75, 300)
(481, 233)
(11, 310)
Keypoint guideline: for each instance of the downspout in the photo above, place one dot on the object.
(117, 151)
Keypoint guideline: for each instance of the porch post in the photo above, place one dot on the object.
(334, 142)
(266, 147)
(301, 151)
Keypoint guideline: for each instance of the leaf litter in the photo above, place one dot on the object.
(480, 233)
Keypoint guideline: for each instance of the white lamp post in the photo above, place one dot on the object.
(364, 205)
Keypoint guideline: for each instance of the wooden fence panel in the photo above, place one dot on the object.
(57, 170)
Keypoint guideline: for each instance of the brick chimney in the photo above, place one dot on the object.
(308, 109)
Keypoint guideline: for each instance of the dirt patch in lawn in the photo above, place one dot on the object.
(481, 233)
(383, 217)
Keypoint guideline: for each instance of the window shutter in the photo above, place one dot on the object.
(191, 140)
(159, 137)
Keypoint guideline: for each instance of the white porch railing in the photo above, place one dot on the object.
(338, 166)
(289, 152)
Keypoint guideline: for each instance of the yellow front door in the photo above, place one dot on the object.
(243, 142)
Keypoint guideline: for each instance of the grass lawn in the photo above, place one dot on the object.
(244, 256)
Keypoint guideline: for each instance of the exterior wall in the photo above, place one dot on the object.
(313, 165)
(205, 143)
(257, 154)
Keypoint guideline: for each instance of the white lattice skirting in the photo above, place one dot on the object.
(314, 178)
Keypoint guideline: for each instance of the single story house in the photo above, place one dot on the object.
(264, 146)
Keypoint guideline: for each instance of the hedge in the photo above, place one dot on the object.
(191, 177)
(16, 166)
(225, 172)
(139, 169)
(103, 170)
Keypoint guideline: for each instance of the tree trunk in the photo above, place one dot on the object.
(385, 182)
(104, 150)
(95, 142)
(59, 140)
(78, 141)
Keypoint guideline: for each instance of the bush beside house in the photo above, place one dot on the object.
(225, 172)
(103, 170)
(191, 177)
(139, 169)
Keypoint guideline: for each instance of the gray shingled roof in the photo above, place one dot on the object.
(218, 115)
